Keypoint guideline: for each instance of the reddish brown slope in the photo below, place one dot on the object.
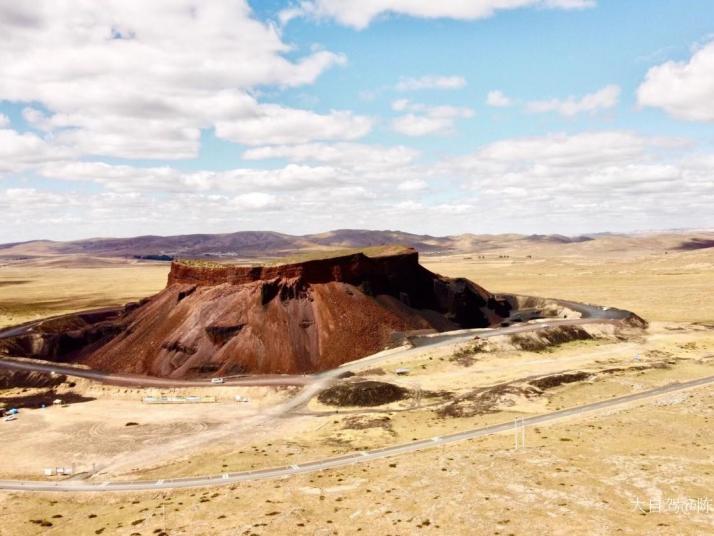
(294, 318)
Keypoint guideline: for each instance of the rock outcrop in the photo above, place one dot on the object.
(222, 320)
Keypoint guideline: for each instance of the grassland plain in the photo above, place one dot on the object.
(30, 292)
(676, 286)
(616, 472)
(626, 471)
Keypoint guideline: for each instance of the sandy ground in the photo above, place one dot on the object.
(114, 430)
(626, 472)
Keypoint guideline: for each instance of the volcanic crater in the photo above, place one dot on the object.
(223, 319)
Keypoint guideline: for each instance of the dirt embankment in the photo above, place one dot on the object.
(296, 318)
(546, 339)
(363, 393)
(27, 379)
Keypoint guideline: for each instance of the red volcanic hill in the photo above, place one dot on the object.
(292, 318)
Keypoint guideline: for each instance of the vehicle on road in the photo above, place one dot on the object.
(11, 417)
(217, 380)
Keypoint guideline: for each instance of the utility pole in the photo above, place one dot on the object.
(519, 433)
(416, 395)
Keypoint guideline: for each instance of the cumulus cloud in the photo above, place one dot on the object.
(126, 178)
(130, 79)
(274, 124)
(685, 89)
(597, 179)
(423, 120)
(602, 99)
(430, 82)
(554, 183)
(254, 201)
(353, 154)
(412, 185)
(497, 99)
(21, 150)
(360, 14)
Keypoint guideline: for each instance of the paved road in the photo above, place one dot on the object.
(28, 327)
(348, 459)
(591, 315)
(136, 380)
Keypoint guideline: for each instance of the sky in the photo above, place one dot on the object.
(126, 117)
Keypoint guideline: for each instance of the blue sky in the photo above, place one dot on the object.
(562, 116)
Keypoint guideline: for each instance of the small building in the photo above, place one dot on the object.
(50, 471)
(401, 371)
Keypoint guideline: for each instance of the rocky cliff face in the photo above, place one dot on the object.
(293, 318)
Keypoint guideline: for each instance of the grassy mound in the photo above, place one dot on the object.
(365, 393)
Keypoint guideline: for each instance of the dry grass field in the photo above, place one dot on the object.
(31, 291)
(625, 472)
(677, 286)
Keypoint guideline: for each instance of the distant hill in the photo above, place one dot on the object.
(266, 244)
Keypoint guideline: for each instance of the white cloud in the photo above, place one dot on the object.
(134, 79)
(352, 154)
(431, 82)
(274, 124)
(400, 105)
(360, 14)
(497, 99)
(602, 99)
(597, 179)
(563, 150)
(412, 185)
(254, 201)
(423, 120)
(21, 150)
(125, 178)
(4, 121)
(579, 182)
(684, 90)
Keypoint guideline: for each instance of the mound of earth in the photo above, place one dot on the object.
(546, 339)
(221, 320)
(364, 393)
(487, 400)
(27, 379)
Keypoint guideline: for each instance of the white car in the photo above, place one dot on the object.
(217, 380)
(11, 417)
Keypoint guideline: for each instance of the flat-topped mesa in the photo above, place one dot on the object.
(397, 275)
(352, 269)
(220, 320)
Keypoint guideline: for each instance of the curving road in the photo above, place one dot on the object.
(347, 459)
(313, 384)
(136, 380)
(591, 314)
